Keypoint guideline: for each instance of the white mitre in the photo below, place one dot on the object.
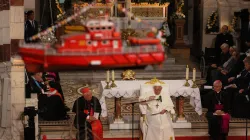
(158, 84)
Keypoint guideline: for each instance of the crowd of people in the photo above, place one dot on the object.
(229, 75)
(51, 106)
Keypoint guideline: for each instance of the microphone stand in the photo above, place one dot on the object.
(133, 107)
(246, 127)
(247, 116)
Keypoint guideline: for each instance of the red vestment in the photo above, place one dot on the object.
(96, 126)
(97, 130)
(56, 93)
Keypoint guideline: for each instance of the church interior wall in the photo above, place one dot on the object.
(33, 5)
(226, 9)
(208, 7)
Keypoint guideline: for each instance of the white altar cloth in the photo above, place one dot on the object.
(128, 89)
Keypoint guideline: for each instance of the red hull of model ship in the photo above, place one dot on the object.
(100, 46)
(39, 62)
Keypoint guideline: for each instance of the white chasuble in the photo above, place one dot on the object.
(159, 126)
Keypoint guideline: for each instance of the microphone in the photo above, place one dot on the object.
(159, 98)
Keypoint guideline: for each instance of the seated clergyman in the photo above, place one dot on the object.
(158, 120)
(88, 110)
(217, 116)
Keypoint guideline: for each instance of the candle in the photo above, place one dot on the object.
(108, 76)
(187, 73)
(113, 75)
(194, 74)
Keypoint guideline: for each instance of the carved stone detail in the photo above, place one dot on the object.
(148, 12)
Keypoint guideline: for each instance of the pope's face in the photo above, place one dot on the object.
(157, 89)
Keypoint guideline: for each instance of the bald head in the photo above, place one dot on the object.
(217, 85)
(224, 48)
(224, 29)
(247, 63)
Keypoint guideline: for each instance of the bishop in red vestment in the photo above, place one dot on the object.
(87, 119)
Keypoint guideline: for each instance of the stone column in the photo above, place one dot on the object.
(33, 101)
(16, 24)
(5, 101)
(4, 30)
(17, 98)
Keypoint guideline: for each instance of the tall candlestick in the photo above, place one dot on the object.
(113, 75)
(187, 73)
(194, 74)
(107, 76)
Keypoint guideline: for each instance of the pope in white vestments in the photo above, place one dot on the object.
(158, 120)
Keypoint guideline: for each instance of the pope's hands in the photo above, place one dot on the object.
(163, 111)
(151, 98)
(91, 118)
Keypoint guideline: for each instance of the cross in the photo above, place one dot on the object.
(157, 106)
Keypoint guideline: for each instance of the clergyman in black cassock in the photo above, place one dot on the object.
(217, 114)
(223, 37)
(84, 107)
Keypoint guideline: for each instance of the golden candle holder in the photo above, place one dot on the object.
(107, 86)
(194, 85)
(186, 84)
(113, 85)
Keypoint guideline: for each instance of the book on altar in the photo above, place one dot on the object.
(96, 115)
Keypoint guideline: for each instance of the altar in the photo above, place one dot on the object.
(128, 89)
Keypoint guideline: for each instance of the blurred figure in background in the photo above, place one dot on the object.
(31, 27)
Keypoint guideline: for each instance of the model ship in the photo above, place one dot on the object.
(100, 46)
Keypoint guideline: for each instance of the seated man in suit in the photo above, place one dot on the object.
(50, 101)
(224, 56)
(235, 70)
(35, 84)
(239, 83)
(226, 67)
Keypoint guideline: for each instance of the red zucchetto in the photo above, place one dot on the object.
(85, 90)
